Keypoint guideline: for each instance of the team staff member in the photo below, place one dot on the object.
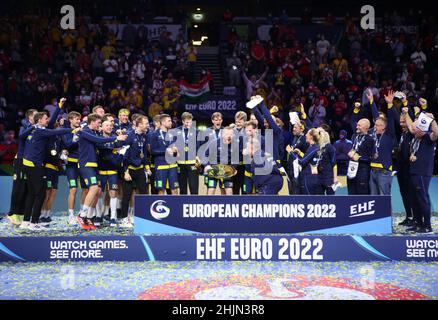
(222, 147)
(300, 146)
(18, 195)
(381, 163)
(403, 169)
(109, 162)
(33, 162)
(71, 147)
(358, 176)
(422, 152)
(135, 166)
(309, 183)
(88, 139)
(162, 144)
(278, 141)
(265, 183)
(327, 170)
(239, 132)
(187, 145)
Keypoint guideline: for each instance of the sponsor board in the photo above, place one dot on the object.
(262, 214)
(204, 109)
(219, 248)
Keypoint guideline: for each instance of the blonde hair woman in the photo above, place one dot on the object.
(309, 182)
(327, 169)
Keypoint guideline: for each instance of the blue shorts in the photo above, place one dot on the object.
(248, 185)
(111, 180)
(72, 173)
(166, 178)
(90, 176)
(223, 184)
(52, 178)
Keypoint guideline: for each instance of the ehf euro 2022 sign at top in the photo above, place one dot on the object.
(262, 214)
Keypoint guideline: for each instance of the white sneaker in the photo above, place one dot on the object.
(24, 225)
(126, 223)
(72, 220)
(36, 227)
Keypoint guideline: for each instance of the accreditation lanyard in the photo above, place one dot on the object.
(166, 143)
(298, 141)
(140, 143)
(186, 139)
(358, 141)
(414, 145)
(402, 138)
(377, 145)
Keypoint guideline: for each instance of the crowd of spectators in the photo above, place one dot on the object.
(328, 75)
(123, 68)
(39, 63)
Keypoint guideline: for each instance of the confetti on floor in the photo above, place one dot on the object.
(212, 280)
(60, 227)
(219, 280)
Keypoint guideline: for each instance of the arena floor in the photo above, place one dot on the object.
(213, 280)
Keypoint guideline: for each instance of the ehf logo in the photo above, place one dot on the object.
(362, 209)
(159, 210)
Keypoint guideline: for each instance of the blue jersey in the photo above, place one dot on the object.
(88, 139)
(310, 158)
(160, 141)
(363, 144)
(424, 149)
(122, 126)
(108, 157)
(260, 161)
(22, 136)
(382, 152)
(137, 154)
(70, 143)
(36, 145)
(327, 162)
(187, 144)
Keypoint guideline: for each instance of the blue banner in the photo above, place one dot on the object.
(219, 248)
(262, 214)
(227, 105)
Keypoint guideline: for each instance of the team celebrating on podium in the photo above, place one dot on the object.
(112, 158)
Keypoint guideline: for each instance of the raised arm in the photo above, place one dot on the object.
(55, 114)
(408, 119)
(67, 141)
(95, 139)
(24, 132)
(434, 127)
(303, 116)
(272, 124)
(370, 98)
(55, 132)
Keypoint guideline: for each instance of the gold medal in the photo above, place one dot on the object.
(186, 149)
(413, 158)
(53, 152)
(141, 155)
(376, 155)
